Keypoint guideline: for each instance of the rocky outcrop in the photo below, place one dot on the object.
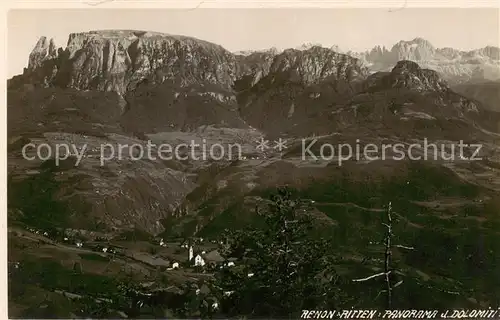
(44, 50)
(408, 74)
(120, 60)
(423, 89)
(43, 63)
(315, 65)
(299, 86)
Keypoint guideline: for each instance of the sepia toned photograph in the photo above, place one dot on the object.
(338, 163)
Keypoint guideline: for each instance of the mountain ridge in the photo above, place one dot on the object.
(455, 66)
(120, 60)
(185, 71)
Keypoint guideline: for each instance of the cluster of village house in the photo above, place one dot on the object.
(201, 258)
(195, 258)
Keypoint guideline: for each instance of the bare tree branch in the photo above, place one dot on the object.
(370, 277)
(404, 247)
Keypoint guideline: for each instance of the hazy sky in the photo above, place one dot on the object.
(242, 29)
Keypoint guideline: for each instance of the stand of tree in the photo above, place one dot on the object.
(282, 269)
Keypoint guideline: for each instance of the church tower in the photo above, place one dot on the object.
(191, 253)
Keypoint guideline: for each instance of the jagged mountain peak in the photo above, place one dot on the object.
(489, 51)
(416, 49)
(456, 66)
(417, 40)
(308, 45)
(317, 64)
(44, 49)
(406, 66)
(272, 51)
(410, 75)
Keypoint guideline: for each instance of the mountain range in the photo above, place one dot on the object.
(127, 87)
(454, 65)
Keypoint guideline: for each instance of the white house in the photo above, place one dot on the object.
(175, 265)
(230, 264)
(199, 261)
(250, 275)
(198, 258)
(79, 244)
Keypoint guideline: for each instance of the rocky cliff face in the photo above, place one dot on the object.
(44, 50)
(119, 60)
(317, 64)
(417, 49)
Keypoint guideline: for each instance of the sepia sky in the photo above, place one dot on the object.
(244, 29)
